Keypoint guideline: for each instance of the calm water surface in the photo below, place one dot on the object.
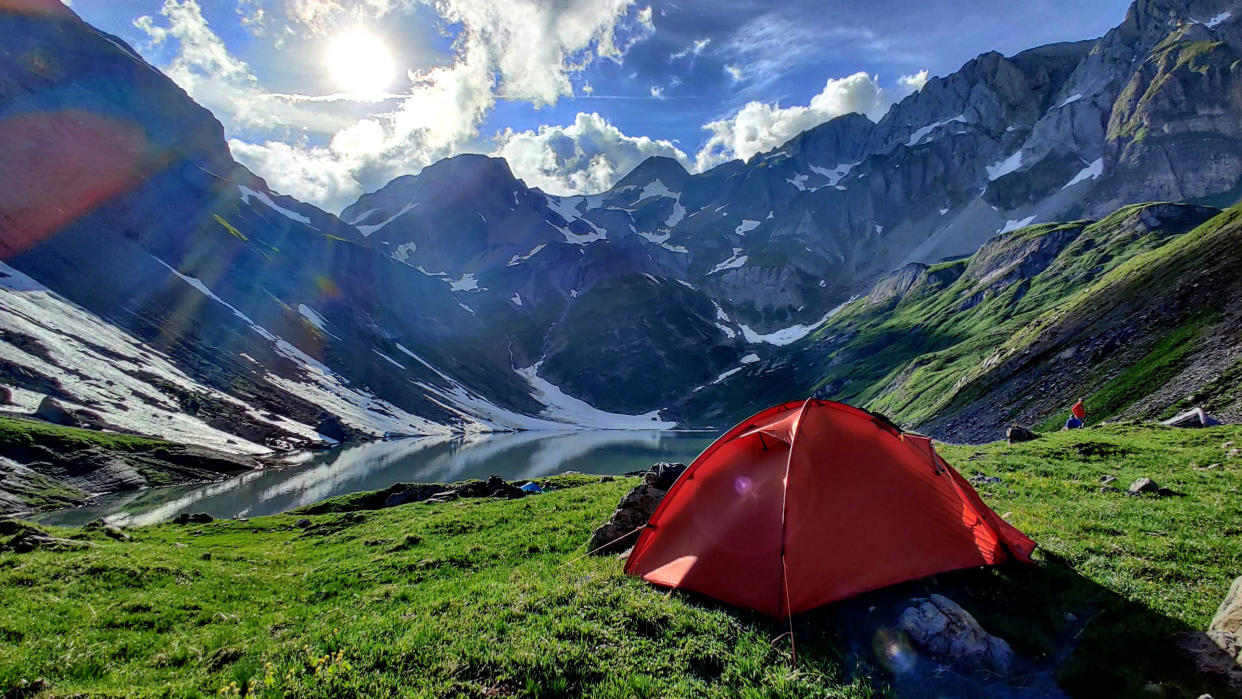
(374, 466)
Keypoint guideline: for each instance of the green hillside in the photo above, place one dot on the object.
(1130, 311)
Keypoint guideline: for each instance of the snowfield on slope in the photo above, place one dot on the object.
(562, 407)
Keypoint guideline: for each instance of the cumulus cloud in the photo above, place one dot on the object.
(587, 156)
(759, 127)
(518, 50)
(913, 83)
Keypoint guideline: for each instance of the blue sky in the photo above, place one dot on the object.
(330, 98)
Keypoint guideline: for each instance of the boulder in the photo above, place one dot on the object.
(1218, 651)
(6, 395)
(1018, 433)
(54, 411)
(1143, 485)
(939, 626)
(332, 427)
(196, 518)
(663, 475)
(1229, 615)
(621, 530)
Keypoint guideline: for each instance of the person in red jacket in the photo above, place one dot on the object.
(1078, 416)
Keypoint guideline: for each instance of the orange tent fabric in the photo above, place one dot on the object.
(811, 502)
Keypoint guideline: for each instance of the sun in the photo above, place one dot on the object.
(358, 62)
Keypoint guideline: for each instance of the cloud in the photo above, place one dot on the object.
(694, 49)
(587, 156)
(657, 92)
(913, 83)
(734, 71)
(517, 50)
(759, 127)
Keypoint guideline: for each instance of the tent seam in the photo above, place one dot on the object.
(793, 441)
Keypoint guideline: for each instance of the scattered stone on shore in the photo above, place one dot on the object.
(109, 530)
(636, 507)
(493, 487)
(1017, 434)
(941, 627)
(196, 518)
(1218, 651)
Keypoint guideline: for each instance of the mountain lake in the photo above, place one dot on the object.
(313, 476)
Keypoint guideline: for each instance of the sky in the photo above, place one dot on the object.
(328, 99)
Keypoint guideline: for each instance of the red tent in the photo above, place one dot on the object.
(808, 503)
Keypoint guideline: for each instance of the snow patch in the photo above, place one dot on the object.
(735, 261)
(516, 299)
(1013, 225)
(517, 259)
(1091, 172)
(919, 134)
(1218, 19)
(1069, 100)
(750, 358)
(561, 407)
(834, 175)
(1004, 167)
(247, 193)
(368, 230)
(656, 188)
(747, 225)
(466, 283)
(404, 252)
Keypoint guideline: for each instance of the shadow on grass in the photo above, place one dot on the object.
(1070, 635)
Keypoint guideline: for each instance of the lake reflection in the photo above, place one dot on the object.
(515, 456)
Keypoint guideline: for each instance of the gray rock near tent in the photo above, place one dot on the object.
(635, 509)
(941, 627)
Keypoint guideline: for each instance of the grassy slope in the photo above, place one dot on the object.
(480, 596)
(928, 354)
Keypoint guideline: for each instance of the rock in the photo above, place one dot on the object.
(416, 493)
(940, 626)
(6, 395)
(1229, 615)
(1233, 453)
(1227, 446)
(206, 556)
(1217, 653)
(981, 479)
(332, 427)
(1109, 489)
(1017, 433)
(54, 411)
(607, 479)
(1209, 467)
(302, 523)
(621, 530)
(663, 475)
(1106, 479)
(24, 688)
(196, 518)
(1143, 485)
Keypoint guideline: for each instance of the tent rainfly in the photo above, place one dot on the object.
(812, 502)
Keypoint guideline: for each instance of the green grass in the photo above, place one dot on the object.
(493, 598)
(20, 432)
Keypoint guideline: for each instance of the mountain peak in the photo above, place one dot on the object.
(657, 167)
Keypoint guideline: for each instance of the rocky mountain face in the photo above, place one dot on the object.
(774, 244)
(1130, 311)
(460, 298)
